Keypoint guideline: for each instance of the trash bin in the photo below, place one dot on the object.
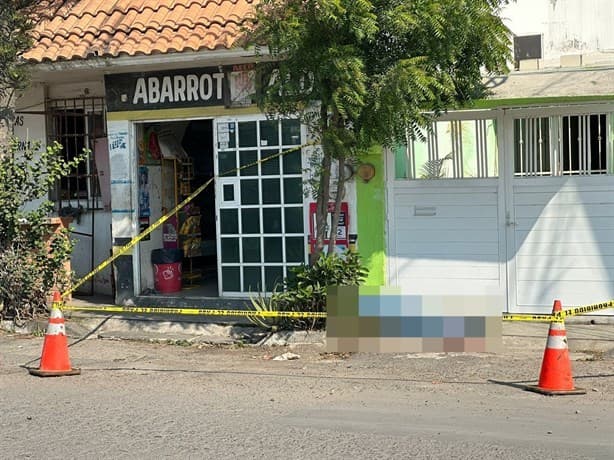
(167, 269)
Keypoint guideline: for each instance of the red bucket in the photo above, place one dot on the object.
(167, 277)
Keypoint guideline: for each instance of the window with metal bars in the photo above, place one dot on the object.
(562, 145)
(76, 124)
(459, 149)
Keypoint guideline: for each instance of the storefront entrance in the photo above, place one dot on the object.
(242, 233)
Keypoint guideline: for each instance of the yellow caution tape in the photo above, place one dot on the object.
(532, 318)
(124, 249)
(582, 309)
(195, 311)
(560, 316)
(538, 318)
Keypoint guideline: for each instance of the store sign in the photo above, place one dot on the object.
(29, 129)
(343, 225)
(168, 89)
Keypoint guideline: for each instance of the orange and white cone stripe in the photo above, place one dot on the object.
(557, 337)
(56, 324)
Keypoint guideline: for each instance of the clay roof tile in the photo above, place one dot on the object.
(85, 28)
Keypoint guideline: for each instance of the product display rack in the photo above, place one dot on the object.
(190, 238)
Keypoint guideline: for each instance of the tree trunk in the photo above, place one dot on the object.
(323, 192)
(322, 207)
(332, 241)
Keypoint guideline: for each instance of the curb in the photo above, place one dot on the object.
(153, 330)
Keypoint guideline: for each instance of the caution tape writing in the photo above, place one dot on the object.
(531, 318)
(195, 311)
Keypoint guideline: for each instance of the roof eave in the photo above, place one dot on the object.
(96, 65)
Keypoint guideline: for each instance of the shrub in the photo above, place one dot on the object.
(32, 256)
(305, 289)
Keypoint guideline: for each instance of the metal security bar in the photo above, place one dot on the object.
(76, 124)
(450, 150)
(561, 145)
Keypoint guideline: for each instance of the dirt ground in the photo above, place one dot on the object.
(140, 399)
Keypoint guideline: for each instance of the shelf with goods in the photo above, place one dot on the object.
(190, 236)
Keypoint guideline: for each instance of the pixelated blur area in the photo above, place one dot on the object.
(378, 319)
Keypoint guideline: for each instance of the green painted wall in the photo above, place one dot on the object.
(371, 219)
(535, 101)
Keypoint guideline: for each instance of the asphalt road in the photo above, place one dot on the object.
(152, 400)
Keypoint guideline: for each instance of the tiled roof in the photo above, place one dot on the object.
(78, 29)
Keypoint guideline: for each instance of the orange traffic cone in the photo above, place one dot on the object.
(555, 377)
(54, 358)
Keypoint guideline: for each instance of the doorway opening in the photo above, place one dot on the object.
(180, 257)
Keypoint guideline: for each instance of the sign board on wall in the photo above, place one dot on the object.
(29, 130)
(198, 87)
(343, 226)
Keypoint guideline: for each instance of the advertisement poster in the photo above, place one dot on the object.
(144, 192)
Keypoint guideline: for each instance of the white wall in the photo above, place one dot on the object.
(568, 26)
(34, 129)
(30, 127)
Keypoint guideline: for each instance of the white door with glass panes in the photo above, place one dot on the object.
(560, 226)
(261, 227)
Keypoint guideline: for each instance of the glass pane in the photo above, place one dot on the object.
(531, 146)
(229, 192)
(272, 250)
(252, 279)
(290, 132)
(250, 220)
(470, 148)
(269, 133)
(294, 220)
(227, 162)
(443, 166)
(271, 220)
(249, 191)
(270, 167)
(229, 221)
(231, 279)
(400, 162)
(226, 135)
(247, 134)
(491, 149)
(292, 162)
(230, 250)
(290, 273)
(274, 277)
(251, 250)
(295, 249)
(293, 190)
(270, 191)
(248, 157)
(420, 152)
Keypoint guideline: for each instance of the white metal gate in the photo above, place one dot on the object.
(539, 227)
(560, 207)
(444, 219)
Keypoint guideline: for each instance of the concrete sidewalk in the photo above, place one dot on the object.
(587, 335)
(586, 341)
